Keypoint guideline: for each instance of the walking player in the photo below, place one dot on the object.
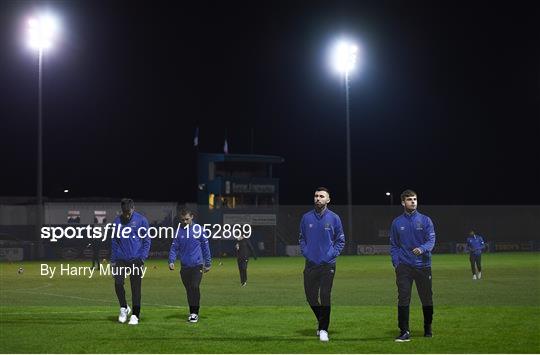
(321, 242)
(412, 238)
(476, 244)
(192, 248)
(129, 253)
(243, 248)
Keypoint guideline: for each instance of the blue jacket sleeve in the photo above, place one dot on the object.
(114, 250)
(205, 248)
(430, 237)
(394, 245)
(339, 241)
(175, 246)
(114, 244)
(146, 241)
(302, 237)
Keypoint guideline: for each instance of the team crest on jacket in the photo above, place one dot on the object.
(311, 225)
(419, 225)
(327, 226)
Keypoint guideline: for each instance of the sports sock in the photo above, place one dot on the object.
(428, 314)
(136, 310)
(121, 294)
(403, 318)
(317, 311)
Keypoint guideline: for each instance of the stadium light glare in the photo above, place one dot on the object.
(344, 56)
(42, 30)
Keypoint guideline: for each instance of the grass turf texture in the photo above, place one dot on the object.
(498, 314)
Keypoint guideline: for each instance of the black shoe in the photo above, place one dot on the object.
(427, 331)
(403, 336)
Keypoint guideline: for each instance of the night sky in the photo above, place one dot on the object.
(446, 103)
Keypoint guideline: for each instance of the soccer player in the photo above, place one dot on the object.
(129, 253)
(321, 242)
(476, 244)
(412, 237)
(243, 248)
(191, 247)
(95, 245)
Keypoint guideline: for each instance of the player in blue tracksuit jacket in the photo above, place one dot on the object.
(129, 253)
(321, 242)
(476, 244)
(412, 238)
(192, 248)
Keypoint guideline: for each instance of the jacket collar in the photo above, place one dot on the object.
(410, 215)
(320, 215)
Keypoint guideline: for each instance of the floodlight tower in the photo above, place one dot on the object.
(344, 60)
(42, 30)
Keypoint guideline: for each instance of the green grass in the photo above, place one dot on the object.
(498, 314)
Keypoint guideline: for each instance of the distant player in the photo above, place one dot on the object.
(95, 246)
(412, 238)
(192, 248)
(321, 242)
(129, 253)
(476, 244)
(243, 249)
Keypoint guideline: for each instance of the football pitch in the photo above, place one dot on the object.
(76, 314)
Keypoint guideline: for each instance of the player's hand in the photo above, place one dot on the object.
(417, 251)
(206, 269)
(171, 266)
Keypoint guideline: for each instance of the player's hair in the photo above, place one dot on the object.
(407, 193)
(127, 204)
(322, 188)
(185, 211)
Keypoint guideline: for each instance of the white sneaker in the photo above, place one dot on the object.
(122, 317)
(193, 318)
(479, 275)
(474, 277)
(133, 320)
(323, 335)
